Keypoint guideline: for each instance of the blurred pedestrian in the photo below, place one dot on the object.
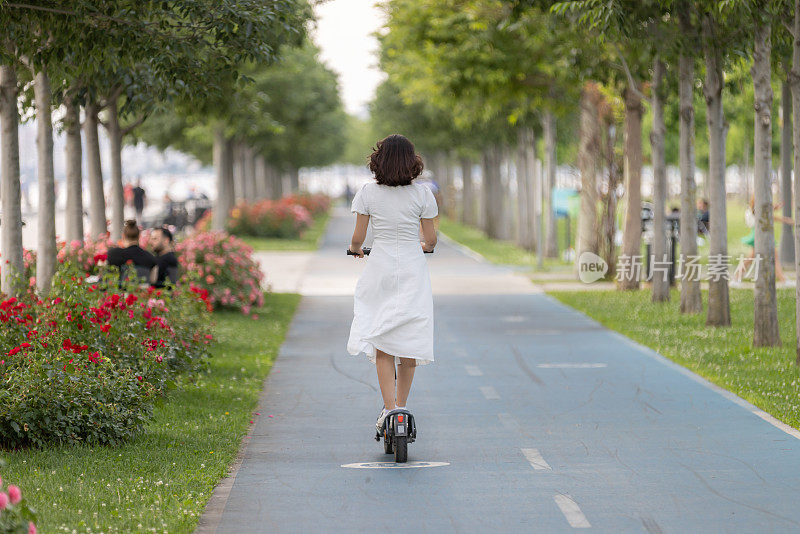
(166, 271)
(139, 197)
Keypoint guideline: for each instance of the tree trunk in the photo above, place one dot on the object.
(719, 310)
(262, 189)
(506, 213)
(607, 248)
(587, 164)
(249, 173)
(12, 267)
(794, 82)
(237, 166)
(46, 217)
(94, 169)
(524, 233)
(550, 165)
(532, 178)
(73, 155)
(493, 192)
(294, 180)
(691, 298)
(467, 193)
(276, 179)
(223, 165)
(632, 232)
(660, 280)
(117, 193)
(449, 192)
(536, 207)
(765, 327)
(787, 251)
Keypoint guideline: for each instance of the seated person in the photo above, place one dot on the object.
(166, 270)
(131, 252)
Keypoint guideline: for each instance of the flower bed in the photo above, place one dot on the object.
(286, 218)
(87, 363)
(224, 267)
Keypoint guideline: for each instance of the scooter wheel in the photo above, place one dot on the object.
(401, 449)
(387, 443)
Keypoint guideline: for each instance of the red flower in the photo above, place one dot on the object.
(139, 378)
(130, 299)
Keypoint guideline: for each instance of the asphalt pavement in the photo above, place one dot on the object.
(533, 418)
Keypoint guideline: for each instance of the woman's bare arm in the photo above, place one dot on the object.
(428, 234)
(359, 234)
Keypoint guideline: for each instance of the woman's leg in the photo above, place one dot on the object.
(384, 363)
(405, 375)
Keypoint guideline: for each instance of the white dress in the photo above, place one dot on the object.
(393, 305)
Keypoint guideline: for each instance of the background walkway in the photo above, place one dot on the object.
(548, 423)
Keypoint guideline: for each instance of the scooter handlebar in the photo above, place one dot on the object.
(367, 250)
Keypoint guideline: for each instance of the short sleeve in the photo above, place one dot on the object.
(429, 207)
(359, 204)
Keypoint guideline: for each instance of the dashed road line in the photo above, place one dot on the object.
(571, 511)
(571, 365)
(534, 457)
(490, 393)
(473, 370)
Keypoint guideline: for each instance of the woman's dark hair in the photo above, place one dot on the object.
(394, 162)
(131, 230)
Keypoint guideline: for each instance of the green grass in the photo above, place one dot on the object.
(161, 480)
(494, 250)
(506, 252)
(309, 240)
(767, 377)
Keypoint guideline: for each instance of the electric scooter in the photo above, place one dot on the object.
(398, 431)
(399, 428)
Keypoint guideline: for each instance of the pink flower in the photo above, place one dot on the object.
(14, 493)
(3, 500)
(31, 528)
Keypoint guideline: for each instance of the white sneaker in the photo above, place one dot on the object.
(381, 419)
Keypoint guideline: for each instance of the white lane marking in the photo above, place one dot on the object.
(489, 392)
(795, 433)
(535, 458)
(571, 511)
(509, 422)
(571, 365)
(513, 319)
(473, 370)
(393, 465)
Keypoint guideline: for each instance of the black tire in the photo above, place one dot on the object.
(387, 444)
(401, 449)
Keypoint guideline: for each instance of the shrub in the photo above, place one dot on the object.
(87, 363)
(224, 267)
(270, 218)
(86, 255)
(315, 203)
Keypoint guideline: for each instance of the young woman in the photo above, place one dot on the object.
(393, 308)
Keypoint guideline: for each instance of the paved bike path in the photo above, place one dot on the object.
(548, 423)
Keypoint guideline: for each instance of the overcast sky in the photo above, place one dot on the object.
(344, 35)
